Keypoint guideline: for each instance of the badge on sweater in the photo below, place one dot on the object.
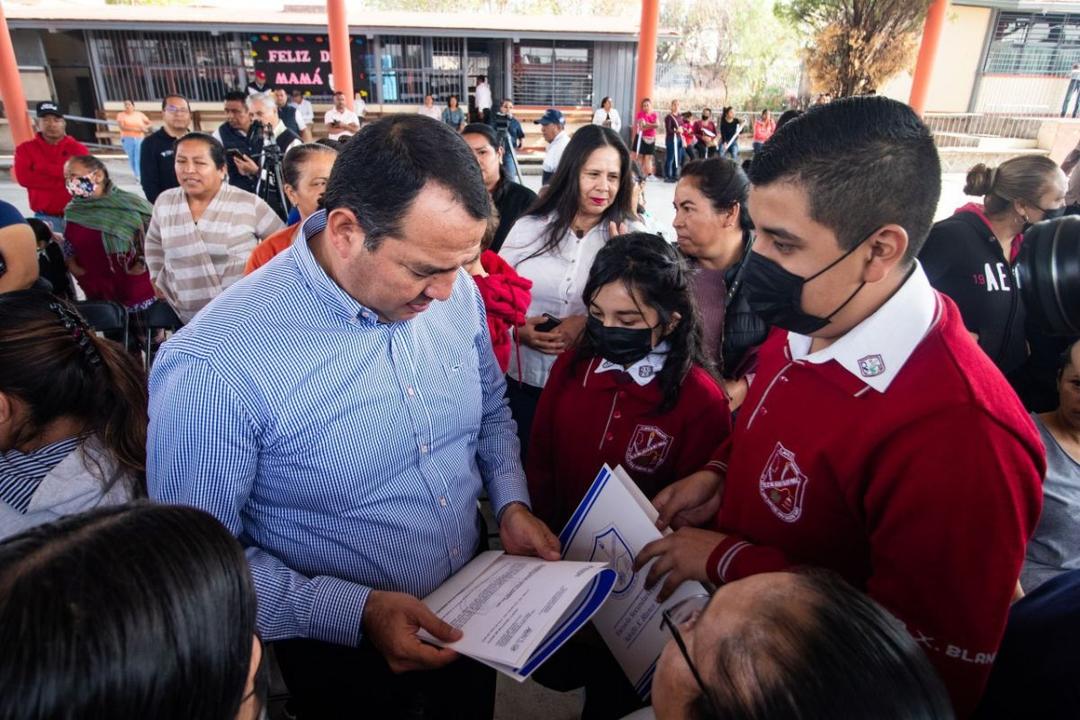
(783, 485)
(871, 366)
(648, 448)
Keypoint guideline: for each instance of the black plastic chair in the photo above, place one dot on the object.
(106, 317)
(159, 316)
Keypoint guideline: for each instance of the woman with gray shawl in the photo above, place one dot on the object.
(104, 236)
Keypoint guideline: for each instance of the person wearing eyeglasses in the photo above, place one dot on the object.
(156, 163)
(791, 645)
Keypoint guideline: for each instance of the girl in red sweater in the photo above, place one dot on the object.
(635, 392)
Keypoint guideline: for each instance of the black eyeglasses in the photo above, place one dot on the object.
(686, 611)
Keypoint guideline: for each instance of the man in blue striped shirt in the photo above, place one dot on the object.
(343, 425)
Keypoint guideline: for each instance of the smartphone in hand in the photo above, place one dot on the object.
(551, 323)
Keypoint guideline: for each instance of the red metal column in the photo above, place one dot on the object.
(11, 91)
(646, 63)
(340, 56)
(920, 86)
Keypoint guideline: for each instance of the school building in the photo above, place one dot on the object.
(90, 56)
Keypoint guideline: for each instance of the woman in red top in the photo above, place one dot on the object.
(646, 123)
(506, 297)
(635, 393)
(104, 232)
(764, 127)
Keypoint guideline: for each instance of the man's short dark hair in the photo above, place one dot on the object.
(217, 150)
(864, 162)
(177, 96)
(236, 96)
(384, 167)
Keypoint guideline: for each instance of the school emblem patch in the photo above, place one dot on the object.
(871, 366)
(648, 448)
(783, 485)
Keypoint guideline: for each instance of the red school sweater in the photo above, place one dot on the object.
(923, 496)
(585, 419)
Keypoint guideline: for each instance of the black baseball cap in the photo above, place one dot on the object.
(48, 108)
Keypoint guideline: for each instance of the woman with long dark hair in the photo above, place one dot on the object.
(72, 414)
(635, 392)
(554, 245)
(714, 231)
(642, 326)
(143, 611)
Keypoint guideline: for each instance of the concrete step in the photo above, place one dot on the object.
(960, 159)
(985, 142)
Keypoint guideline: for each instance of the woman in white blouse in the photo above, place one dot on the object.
(607, 116)
(554, 246)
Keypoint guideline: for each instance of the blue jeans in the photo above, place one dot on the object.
(732, 152)
(132, 146)
(56, 222)
(673, 161)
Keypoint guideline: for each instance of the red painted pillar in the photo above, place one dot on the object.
(11, 91)
(340, 56)
(924, 66)
(646, 59)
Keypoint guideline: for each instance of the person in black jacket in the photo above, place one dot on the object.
(970, 256)
(156, 164)
(714, 231)
(52, 265)
(242, 138)
(511, 199)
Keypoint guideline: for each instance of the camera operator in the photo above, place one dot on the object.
(511, 135)
(268, 127)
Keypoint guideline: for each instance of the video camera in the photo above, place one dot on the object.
(1049, 272)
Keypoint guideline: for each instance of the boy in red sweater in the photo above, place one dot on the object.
(877, 439)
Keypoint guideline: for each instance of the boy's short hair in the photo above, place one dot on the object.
(864, 162)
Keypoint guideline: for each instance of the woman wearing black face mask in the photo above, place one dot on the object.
(636, 392)
(970, 255)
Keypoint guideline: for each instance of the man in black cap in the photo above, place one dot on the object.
(39, 165)
(553, 127)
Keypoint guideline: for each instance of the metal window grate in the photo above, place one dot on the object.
(415, 66)
(1034, 44)
(553, 73)
(145, 66)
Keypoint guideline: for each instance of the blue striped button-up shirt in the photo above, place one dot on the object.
(346, 454)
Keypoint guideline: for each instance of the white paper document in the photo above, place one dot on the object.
(612, 524)
(514, 611)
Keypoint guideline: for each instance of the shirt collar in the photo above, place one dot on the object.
(644, 370)
(324, 287)
(876, 349)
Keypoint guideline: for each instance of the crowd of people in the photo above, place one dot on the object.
(858, 438)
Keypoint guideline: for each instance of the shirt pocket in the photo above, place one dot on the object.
(460, 390)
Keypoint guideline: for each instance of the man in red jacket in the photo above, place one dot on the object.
(877, 439)
(39, 165)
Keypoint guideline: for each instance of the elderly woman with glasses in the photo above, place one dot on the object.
(788, 645)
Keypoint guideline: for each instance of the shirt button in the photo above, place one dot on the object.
(617, 414)
(621, 394)
(423, 448)
(409, 391)
(610, 437)
(454, 552)
(442, 502)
